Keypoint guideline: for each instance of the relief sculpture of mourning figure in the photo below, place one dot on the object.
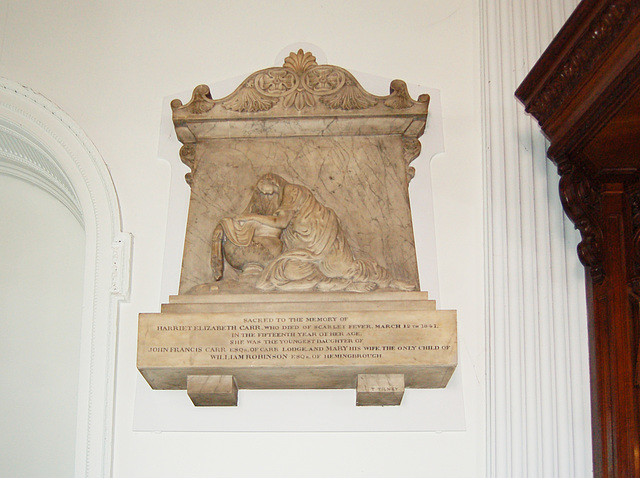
(287, 240)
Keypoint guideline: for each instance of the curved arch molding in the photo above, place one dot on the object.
(23, 157)
(43, 145)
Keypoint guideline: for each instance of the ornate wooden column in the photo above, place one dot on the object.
(585, 93)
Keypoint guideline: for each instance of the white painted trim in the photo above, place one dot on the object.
(121, 266)
(69, 151)
(538, 417)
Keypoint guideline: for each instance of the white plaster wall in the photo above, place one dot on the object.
(109, 64)
(41, 272)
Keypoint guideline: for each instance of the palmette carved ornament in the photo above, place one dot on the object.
(302, 83)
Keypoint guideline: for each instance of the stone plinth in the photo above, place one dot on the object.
(212, 390)
(379, 390)
(298, 340)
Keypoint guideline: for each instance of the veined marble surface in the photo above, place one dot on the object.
(316, 127)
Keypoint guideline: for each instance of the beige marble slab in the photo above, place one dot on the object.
(291, 302)
(301, 297)
(362, 178)
(310, 347)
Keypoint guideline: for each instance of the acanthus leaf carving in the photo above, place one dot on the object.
(249, 100)
(300, 83)
(300, 99)
(581, 201)
(349, 97)
(602, 31)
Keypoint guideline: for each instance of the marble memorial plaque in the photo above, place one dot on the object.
(299, 266)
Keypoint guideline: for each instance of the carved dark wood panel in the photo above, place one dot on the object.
(585, 93)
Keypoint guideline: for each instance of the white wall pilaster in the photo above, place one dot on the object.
(537, 381)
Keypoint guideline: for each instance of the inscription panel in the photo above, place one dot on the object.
(310, 349)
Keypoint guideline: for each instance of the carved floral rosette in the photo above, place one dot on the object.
(305, 90)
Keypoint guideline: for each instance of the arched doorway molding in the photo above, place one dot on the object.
(43, 145)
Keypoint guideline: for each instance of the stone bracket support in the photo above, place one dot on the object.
(379, 389)
(212, 390)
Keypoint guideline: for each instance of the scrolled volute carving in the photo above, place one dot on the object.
(200, 102)
(581, 199)
(411, 150)
(188, 157)
(399, 97)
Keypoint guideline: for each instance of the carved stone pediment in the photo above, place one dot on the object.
(300, 99)
(299, 84)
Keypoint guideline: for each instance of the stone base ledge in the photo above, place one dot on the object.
(299, 341)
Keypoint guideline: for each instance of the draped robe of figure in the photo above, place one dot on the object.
(249, 244)
(316, 253)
